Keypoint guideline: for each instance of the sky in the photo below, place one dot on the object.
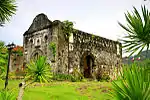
(99, 17)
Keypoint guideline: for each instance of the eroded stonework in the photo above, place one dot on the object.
(88, 53)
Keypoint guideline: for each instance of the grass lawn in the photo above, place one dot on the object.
(63, 90)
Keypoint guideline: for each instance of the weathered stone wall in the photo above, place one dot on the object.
(62, 50)
(16, 62)
(60, 64)
(87, 52)
(36, 43)
(102, 51)
(37, 38)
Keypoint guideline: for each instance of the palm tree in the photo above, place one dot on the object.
(7, 9)
(138, 31)
(37, 71)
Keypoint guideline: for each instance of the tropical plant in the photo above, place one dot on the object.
(7, 9)
(138, 31)
(132, 84)
(3, 59)
(6, 95)
(39, 71)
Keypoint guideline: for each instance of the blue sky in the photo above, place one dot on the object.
(94, 16)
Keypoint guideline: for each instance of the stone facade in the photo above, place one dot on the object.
(16, 59)
(84, 51)
(16, 63)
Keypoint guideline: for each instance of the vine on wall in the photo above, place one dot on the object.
(52, 46)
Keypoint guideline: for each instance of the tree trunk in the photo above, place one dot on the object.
(21, 91)
(22, 87)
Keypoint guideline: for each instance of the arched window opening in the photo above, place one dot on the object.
(38, 41)
(31, 41)
(45, 38)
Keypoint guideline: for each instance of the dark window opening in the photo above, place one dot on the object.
(88, 65)
(46, 38)
(31, 41)
(36, 56)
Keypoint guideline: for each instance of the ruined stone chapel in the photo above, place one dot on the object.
(82, 50)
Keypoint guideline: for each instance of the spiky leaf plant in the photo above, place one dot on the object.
(138, 31)
(39, 70)
(6, 95)
(133, 84)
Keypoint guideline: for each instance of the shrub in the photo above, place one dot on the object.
(62, 77)
(102, 75)
(105, 77)
(67, 77)
(99, 74)
(77, 75)
(17, 75)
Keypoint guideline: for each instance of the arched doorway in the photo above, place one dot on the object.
(36, 54)
(88, 65)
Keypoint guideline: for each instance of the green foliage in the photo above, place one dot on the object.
(102, 76)
(133, 85)
(105, 77)
(62, 77)
(138, 31)
(52, 46)
(77, 75)
(6, 95)
(68, 28)
(7, 9)
(19, 53)
(144, 63)
(3, 59)
(39, 70)
(93, 36)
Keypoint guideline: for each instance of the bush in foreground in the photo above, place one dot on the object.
(133, 84)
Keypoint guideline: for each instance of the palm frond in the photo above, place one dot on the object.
(138, 30)
(7, 9)
(132, 85)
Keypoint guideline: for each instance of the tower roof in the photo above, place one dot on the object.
(40, 22)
